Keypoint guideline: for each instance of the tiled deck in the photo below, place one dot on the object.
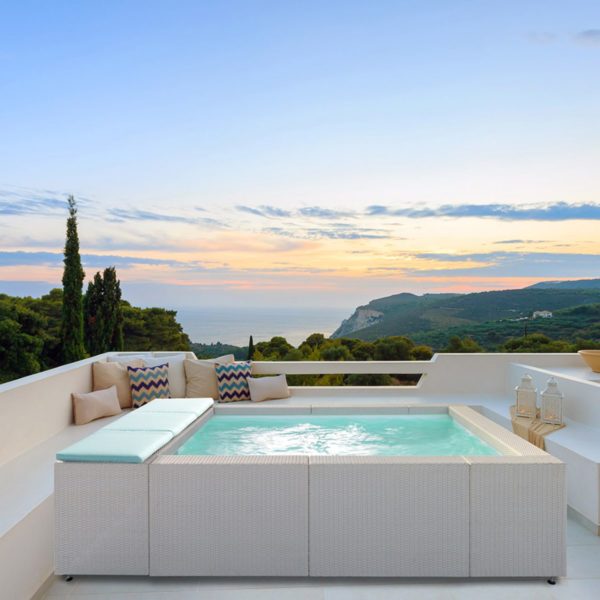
(582, 583)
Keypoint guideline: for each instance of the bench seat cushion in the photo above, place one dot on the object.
(107, 445)
(175, 422)
(198, 406)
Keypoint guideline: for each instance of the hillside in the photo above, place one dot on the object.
(407, 314)
(569, 324)
(579, 284)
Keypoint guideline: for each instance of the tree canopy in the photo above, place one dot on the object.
(30, 332)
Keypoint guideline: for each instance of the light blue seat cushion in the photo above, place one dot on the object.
(138, 420)
(197, 406)
(108, 445)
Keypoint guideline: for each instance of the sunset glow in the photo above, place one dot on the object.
(301, 161)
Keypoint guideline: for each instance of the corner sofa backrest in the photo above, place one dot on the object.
(35, 408)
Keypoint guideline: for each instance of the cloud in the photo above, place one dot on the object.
(249, 210)
(30, 202)
(590, 37)
(334, 233)
(20, 258)
(515, 264)
(473, 257)
(264, 211)
(378, 209)
(122, 214)
(559, 211)
(212, 222)
(323, 213)
(274, 211)
(314, 212)
(16, 200)
(521, 242)
(349, 234)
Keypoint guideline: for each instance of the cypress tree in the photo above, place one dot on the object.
(250, 349)
(72, 343)
(103, 313)
(117, 342)
(112, 315)
(92, 302)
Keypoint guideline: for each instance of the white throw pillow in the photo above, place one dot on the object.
(201, 378)
(268, 388)
(176, 372)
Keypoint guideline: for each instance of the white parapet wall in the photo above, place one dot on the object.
(35, 408)
(473, 374)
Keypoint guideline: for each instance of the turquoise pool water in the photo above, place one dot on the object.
(381, 435)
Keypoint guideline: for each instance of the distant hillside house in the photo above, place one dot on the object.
(542, 314)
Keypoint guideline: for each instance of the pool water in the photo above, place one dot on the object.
(339, 435)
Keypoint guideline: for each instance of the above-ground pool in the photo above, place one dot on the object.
(321, 491)
(335, 435)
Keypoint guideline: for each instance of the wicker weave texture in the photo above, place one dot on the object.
(518, 518)
(101, 513)
(389, 518)
(229, 517)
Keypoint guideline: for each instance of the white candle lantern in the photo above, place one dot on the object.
(526, 398)
(552, 403)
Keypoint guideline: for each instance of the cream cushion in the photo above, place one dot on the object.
(95, 405)
(268, 388)
(107, 374)
(201, 378)
(176, 371)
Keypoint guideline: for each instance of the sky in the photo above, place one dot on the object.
(304, 154)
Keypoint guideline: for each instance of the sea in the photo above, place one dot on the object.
(236, 325)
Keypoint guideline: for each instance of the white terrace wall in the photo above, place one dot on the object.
(473, 374)
(35, 408)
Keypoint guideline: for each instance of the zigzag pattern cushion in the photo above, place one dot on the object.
(148, 383)
(232, 381)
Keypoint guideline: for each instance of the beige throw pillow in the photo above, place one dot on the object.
(107, 374)
(200, 376)
(95, 405)
(176, 371)
(268, 388)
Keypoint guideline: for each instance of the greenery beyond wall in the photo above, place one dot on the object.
(30, 342)
(30, 332)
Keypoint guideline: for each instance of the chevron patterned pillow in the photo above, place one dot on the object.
(232, 381)
(148, 383)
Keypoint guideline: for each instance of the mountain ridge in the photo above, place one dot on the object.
(574, 284)
(406, 314)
